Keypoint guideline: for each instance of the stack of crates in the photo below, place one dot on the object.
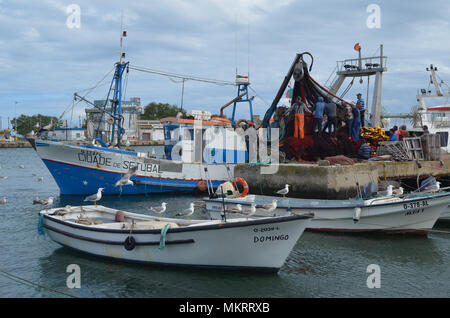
(414, 148)
(431, 145)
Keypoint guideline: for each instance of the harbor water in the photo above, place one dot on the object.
(321, 265)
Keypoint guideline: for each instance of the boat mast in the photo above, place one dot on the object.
(117, 100)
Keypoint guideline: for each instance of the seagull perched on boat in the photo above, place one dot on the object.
(3, 200)
(187, 212)
(44, 202)
(236, 209)
(159, 209)
(125, 180)
(398, 191)
(284, 191)
(433, 188)
(62, 211)
(95, 197)
(270, 207)
(250, 211)
(388, 191)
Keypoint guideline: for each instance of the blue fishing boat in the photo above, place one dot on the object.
(200, 151)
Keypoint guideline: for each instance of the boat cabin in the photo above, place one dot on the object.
(203, 139)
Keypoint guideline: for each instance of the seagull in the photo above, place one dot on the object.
(284, 191)
(187, 212)
(21, 166)
(270, 207)
(3, 200)
(251, 211)
(125, 180)
(398, 191)
(433, 188)
(95, 197)
(40, 179)
(49, 126)
(44, 202)
(159, 209)
(388, 191)
(34, 174)
(4, 177)
(237, 209)
(62, 211)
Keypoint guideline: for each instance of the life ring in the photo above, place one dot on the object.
(221, 119)
(130, 243)
(244, 184)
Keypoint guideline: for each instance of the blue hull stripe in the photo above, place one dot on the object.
(77, 180)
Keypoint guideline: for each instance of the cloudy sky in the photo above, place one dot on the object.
(44, 62)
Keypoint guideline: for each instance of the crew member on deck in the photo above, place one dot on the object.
(362, 108)
(319, 109)
(330, 111)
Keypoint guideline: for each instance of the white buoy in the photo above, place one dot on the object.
(357, 215)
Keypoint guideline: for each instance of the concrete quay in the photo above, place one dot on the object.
(336, 181)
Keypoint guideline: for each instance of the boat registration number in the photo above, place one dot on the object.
(415, 205)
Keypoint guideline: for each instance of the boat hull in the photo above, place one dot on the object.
(414, 216)
(262, 244)
(445, 215)
(81, 170)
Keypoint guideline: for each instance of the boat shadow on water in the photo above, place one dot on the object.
(109, 277)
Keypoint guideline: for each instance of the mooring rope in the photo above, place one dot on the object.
(30, 283)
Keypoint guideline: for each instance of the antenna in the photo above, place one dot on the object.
(122, 35)
(248, 52)
(235, 43)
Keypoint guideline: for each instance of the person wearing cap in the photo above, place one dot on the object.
(361, 107)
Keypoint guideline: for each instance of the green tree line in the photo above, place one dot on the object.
(25, 124)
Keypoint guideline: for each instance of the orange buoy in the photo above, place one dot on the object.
(202, 185)
(244, 184)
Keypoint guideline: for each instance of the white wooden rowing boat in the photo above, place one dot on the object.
(241, 243)
(412, 213)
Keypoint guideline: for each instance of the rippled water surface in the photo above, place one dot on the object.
(321, 265)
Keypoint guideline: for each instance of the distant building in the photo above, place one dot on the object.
(67, 134)
(99, 124)
(150, 130)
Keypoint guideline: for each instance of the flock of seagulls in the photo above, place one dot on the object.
(44, 202)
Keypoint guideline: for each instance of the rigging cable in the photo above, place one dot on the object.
(181, 76)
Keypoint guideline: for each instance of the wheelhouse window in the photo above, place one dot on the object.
(444, 138)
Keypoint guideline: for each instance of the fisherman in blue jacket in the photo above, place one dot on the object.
(362, 108)
(319, 109)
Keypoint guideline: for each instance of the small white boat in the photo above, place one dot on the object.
(242, 243)
(412, 213)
